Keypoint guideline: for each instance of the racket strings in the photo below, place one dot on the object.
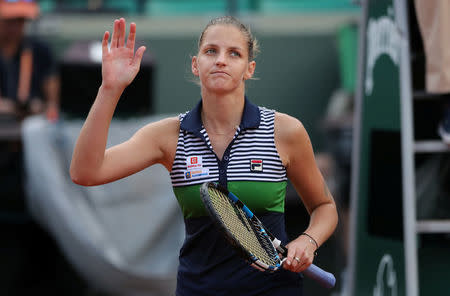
(264, 240)
(247, 233)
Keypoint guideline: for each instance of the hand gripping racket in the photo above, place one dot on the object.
(248, 235)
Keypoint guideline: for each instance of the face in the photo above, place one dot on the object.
(222, 61)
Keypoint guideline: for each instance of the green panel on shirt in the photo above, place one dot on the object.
(259, 197)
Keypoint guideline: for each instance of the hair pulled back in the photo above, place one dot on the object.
(252, 43)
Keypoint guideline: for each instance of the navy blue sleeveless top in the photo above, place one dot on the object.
(252, 169)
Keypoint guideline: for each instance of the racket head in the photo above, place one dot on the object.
(240, 227)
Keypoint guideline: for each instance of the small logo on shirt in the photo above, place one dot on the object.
(256, 165)
(194, 162)
(194, 168)
(196, 174)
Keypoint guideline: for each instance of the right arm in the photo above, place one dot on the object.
(91, 163)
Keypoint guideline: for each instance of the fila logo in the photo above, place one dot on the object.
(256, 165)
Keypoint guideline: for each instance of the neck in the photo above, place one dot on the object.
(222, 114)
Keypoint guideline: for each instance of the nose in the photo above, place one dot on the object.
(221, 59)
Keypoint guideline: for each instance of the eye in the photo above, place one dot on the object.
(235, 53)
(210, 51)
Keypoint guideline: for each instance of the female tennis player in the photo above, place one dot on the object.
(225, 138)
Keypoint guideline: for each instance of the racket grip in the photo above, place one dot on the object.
(324, 278)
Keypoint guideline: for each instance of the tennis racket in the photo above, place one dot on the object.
(248, 235)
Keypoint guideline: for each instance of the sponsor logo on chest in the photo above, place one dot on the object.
(194, 168)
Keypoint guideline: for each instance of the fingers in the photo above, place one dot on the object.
(131, 36)
(290, 256)
(121, 35)
(105, 43)
(298, 263)
(119, 32)
(303, 263)
(294, 260)
(118, 36)
(298, 258)
(115, 33)
(138, 56)
(118, 40)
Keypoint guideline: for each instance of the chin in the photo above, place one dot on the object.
(219, 89)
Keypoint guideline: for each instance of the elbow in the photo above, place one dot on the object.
(79, 178)
(335, 216)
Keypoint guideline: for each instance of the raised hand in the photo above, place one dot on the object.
(120, 64)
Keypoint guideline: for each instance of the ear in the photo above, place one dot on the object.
(250, 70)
(194, 66)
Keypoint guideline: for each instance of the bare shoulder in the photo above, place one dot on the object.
(168, 126)
(288, 128)
(164, 131)
(160, 138)
(290, 137)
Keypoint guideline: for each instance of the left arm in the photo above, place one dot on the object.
(296, 152)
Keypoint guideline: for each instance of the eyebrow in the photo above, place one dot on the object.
(215, 45)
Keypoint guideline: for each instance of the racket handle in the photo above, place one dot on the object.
(324, 278)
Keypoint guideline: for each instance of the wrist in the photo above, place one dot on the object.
(111, 87)
(111, 91)
(312, 241)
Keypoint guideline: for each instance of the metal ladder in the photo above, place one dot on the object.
(410, 148)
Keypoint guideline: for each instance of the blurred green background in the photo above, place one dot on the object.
(304, 57)
(308, 51)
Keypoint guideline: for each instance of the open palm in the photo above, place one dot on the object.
(120, 64)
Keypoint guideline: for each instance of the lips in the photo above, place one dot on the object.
(220, 72)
